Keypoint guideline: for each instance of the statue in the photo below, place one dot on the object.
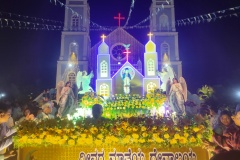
(84, 80)
(126, 77)
(165, 75)
(65, 98)
(178, 95)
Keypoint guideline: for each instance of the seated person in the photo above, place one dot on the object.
(218, 132)
(97, 111)
(5, 132)
(27, 116)
(46, 112)
(232, 133)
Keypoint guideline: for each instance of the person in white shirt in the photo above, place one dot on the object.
(46, 112)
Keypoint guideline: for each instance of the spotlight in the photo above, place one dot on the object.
(69, 65)
(238, 93)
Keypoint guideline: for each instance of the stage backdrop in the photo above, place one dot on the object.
(111, 153)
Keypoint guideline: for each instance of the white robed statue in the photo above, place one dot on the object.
(84, 80)
(65, 99)
(178, 95)
(165, 75)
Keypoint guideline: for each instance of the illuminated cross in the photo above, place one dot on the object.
(119, 19)
(127, 51)
(103, 37)
(150, 35)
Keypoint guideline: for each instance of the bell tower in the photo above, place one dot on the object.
(75, 41)
(162, 25)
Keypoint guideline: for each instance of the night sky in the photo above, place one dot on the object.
(209, 51)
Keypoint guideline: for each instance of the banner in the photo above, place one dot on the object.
(112, 153)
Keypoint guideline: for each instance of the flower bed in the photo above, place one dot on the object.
(134, 131)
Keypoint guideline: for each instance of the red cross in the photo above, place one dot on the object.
(119, 19)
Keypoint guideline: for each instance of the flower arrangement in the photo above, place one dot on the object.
(120, 105)
(134, 131)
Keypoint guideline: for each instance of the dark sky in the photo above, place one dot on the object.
(210, 51)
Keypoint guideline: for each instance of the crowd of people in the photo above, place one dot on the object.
(225, 125)
(226, 132)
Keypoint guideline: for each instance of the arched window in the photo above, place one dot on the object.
(72, 77)
(150, 67)
(103, 69)
(163, 22)
(165, 49)
(75, 22)
(104, 90)
(151, 87)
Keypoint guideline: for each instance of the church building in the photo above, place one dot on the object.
(120, 63)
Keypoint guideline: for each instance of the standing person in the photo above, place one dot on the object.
(177, 98)
(5, 132)
(66, 100)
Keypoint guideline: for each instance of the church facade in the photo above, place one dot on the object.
(116, 71)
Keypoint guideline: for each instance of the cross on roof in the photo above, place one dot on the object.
(127, 51)
(119, 19)
(103, 37)
(150, 36)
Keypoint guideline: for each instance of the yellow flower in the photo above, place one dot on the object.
(186, 135)
(71, 142)
(135, 136)
(59, 131)
(135, 129)
(166, 136)
(196, 129)
(183, 140)
(199, 135)
(165, 129)
(150, 140)
(144, 134)
(98, 142)
(154, 128)
(155, 135)
(141, 140)
(62, 141)
(176, 136)
(173, 141)
(100, 136)
(192, 139)
(185, 127)
(143, 128)
(83, 135)
(159, 140)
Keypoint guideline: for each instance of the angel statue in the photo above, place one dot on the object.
(178, 95)
(166, 74)
(84, 80)
(65, 99)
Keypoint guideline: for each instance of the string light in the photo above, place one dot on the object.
(13, 15)
(129, 14)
